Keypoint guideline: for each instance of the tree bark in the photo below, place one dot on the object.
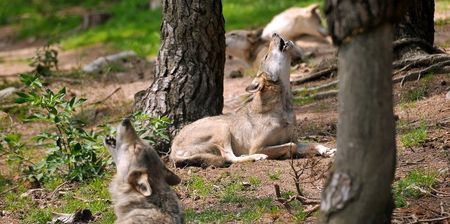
(359, 187)
(415, 29)
(189, 76)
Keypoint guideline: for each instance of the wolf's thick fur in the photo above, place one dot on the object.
(140, 189)
(262, 129)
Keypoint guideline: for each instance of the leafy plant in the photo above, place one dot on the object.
(45, 59)
(12, 148)
(154, 130)
(73, 151)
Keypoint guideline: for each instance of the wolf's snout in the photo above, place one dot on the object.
(126, 122)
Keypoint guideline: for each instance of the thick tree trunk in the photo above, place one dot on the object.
(189, 77)
(359, 187)
(415, 30)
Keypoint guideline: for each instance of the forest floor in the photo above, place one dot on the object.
(241, 193)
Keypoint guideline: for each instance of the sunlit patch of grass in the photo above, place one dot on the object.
(275, 175)
(199, 186)
(414, 137)
(231, 193)
(208, 216)
(413, 186)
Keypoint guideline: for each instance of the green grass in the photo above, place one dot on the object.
(249, 214)
(275, 175)
(231, 193)
(413, 95)
(414, 137)
(412, 186)
(132, 27)
(199, 186)
(91, 195)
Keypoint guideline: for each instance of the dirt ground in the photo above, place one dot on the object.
(316, 123)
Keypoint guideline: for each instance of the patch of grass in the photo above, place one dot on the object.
(413, 185)
(207, 216)
(275, 175)
(37, 215)
(198, 186)
(414, 94)
(414, 137)
(230, 193)
(92, 195)
(254, 181)
(298, 211)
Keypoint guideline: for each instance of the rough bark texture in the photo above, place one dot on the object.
(189, 76)
(417, 26)
(359, 187)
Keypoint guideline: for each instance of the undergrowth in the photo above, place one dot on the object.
(416, 184)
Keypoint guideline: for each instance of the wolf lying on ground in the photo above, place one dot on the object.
(140, 190)
(264, 128)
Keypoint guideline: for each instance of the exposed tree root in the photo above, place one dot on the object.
(400, 43)
(315, 76)
(416, 75)
(433, 63)
(315, 88)
(419, 61)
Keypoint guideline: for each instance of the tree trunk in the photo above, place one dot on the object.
(359, 187)
(415, 30)
(189, 76)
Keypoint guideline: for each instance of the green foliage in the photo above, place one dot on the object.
(45, 59)
(414, 137)
(73, 152)
(132, 27)
(154, 130)
(414, 185)
(12, 147)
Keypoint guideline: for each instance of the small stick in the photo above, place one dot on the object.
(106, 98)
(8, 190)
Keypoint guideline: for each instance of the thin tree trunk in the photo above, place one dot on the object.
(359, 187)
(189, 77)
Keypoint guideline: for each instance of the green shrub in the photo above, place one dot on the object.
(73, 152)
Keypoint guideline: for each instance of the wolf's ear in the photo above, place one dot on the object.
(138, 179)
(171, 178)
(254, 87)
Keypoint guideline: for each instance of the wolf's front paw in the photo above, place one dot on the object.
(257, 157)
(110, 141)
(325, 151)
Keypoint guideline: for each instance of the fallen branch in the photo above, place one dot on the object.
(314, 76)
(316, 88)
(57, 189)
(8, 190)
(107, 97)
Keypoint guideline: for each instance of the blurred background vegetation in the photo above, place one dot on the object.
(132, 26)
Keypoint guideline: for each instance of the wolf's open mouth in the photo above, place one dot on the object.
(282, 43)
